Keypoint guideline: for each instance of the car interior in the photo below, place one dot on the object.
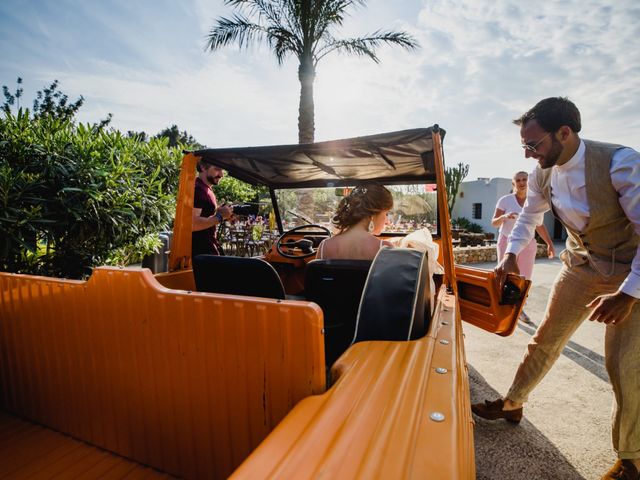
(387, 299)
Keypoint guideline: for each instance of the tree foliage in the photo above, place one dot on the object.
(73, 196)
(305, 29)
(12, 99)
(179, 139)
(49, 102)
(232, 190)
(466, 224)
(453, 178)
(140, 136)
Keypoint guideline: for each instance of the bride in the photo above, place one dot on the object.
(359, 218)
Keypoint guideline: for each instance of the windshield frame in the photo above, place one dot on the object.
(428, 180)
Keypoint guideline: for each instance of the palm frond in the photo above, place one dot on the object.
(268, 10)
(292, 16)
(266, 13)
(331, 13)
(366, 46)
(262, 20)
(234, 30)
(283, 42)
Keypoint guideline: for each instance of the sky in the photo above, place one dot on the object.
(480, 64)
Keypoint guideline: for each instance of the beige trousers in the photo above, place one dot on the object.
(573, 289)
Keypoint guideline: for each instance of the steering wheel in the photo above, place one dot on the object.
(305, 245)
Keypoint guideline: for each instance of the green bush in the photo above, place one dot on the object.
(466, 224)
(232, 190)
(76, 196)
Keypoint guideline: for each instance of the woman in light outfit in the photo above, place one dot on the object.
(507, 210)
(360, 216)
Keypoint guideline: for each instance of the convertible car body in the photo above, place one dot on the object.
(300, 369)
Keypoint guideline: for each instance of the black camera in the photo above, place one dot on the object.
(245, 209)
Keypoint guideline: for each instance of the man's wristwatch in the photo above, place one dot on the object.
(218, 216)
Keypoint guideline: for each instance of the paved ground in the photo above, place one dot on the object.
(566, 430)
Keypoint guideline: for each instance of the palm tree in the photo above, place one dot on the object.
(302, 28)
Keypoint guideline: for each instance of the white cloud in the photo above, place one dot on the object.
(211, 103)
(481, 64)
(504, 56)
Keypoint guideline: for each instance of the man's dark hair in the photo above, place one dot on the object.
(553, 113)
(203, 164)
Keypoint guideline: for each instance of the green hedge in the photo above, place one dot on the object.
(76, 196)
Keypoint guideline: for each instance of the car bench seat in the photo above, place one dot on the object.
(395, 300)
(188, 383)
(336, 286)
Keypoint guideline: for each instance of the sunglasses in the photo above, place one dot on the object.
(532, 148)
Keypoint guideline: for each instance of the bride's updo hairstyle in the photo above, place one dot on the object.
(364, 201)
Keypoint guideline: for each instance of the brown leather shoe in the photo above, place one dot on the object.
(622, 470)
(493, 411)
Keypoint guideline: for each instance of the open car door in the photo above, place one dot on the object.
(482, 303)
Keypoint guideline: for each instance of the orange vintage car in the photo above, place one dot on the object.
(291, 367)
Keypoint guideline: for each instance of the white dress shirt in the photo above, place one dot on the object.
(569, 197)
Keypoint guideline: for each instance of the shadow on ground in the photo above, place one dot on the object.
(514, 452)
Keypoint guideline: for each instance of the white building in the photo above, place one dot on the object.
(477, 201)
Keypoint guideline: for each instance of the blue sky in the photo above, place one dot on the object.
(481, 64)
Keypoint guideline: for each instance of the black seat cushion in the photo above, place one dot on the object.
(395, 301)
(336, 286)
(237, 276)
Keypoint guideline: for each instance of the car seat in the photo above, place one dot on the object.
(395, 300)
(336, 286)
(237, 276)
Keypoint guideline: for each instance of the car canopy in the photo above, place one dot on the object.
(397, 157)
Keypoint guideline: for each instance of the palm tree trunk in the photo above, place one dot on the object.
(306, 125)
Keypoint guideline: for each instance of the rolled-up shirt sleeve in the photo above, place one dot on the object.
(531, 216)
(625, 177)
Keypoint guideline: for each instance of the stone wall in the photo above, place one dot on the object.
(485, 254)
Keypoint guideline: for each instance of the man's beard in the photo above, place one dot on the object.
(551, 158)
(213, 180)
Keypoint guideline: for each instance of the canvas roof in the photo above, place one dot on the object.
(397, 157)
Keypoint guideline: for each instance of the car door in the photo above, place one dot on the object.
(482, 303)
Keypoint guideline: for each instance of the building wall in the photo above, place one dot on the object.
(486, 193)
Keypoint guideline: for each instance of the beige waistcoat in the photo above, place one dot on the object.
(608, 241)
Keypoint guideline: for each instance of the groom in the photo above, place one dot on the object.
(593, 188)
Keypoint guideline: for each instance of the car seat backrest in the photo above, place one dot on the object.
(395, 300)
(237, 276)
(336, 286)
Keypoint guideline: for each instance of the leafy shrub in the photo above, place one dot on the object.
(76, 196)
(232, 190)
(466, 224)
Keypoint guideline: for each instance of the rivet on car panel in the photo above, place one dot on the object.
(437, 416)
